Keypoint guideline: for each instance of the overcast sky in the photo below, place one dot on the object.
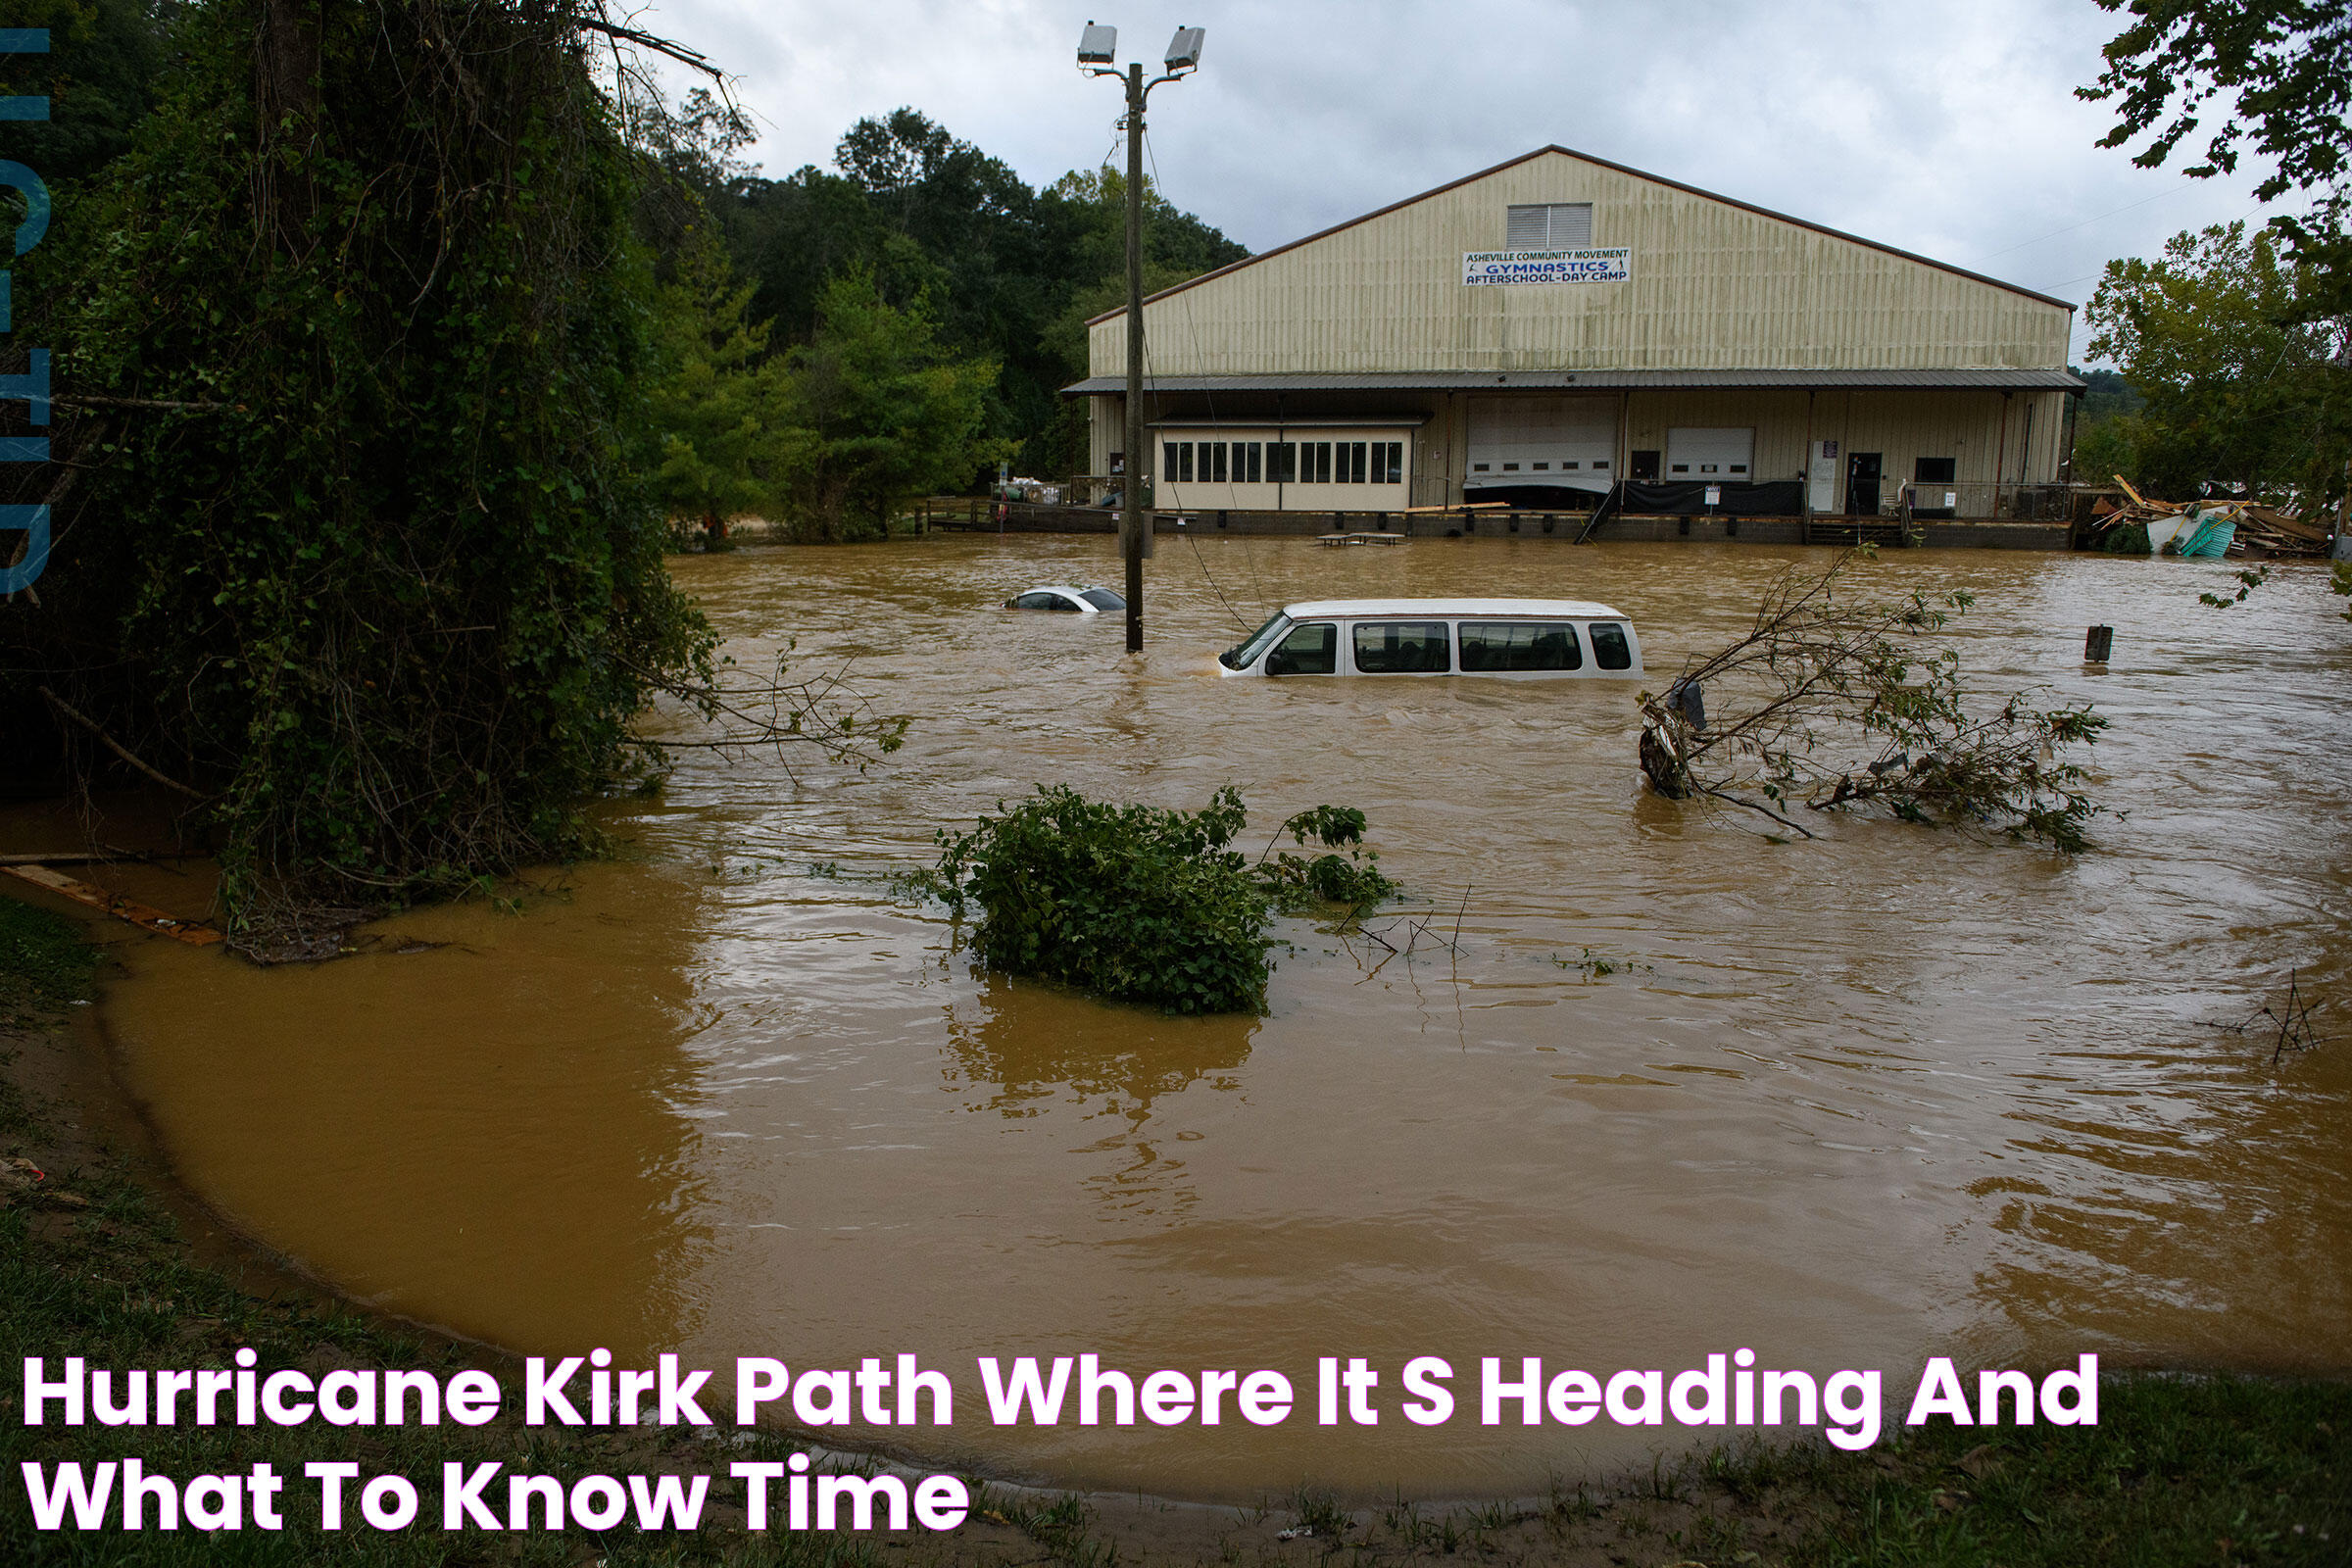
(1946, 129)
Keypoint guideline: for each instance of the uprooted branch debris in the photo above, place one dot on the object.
(1831, 700)
(2292, 1016)
(823, 714)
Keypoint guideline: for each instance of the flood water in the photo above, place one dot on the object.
(1855, 1102)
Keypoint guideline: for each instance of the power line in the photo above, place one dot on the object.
(2102, 271)
(2084, 224)
(1193, 339)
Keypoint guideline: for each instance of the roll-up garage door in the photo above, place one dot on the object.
(1697, 453)
(1569, 442)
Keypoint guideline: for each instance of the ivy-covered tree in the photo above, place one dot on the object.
(350, 347)
(881, 410)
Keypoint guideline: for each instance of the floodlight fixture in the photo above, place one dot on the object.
(1098, 45)
(1184, 50)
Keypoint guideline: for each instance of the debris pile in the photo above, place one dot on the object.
(2139, 525)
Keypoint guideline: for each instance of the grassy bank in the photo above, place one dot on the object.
(2180, 1471)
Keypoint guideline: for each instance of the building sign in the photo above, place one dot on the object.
(1549, 267)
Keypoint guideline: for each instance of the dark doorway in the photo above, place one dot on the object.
(1645, 467)
(1862, 484)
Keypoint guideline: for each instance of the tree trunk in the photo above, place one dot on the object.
(285, 102)
(1667, 774)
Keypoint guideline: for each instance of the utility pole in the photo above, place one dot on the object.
(1131, 512)
(1096, 46)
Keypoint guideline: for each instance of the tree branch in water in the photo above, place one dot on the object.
(68, 711)
(1829, 702)
(822, 713)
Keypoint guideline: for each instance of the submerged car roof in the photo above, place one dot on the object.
(1452, 609)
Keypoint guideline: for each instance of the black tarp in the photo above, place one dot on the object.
(1537, 497)
(1776, 498)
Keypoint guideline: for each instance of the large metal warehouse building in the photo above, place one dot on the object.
(1536, 333)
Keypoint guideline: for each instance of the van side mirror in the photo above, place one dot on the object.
(1282, 662)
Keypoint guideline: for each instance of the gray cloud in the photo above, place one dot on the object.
(1946, 129)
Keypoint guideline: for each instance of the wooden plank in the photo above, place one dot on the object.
(194, 933)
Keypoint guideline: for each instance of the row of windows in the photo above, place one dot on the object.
(1599, 465)
(1284, 461)
(1423, 648)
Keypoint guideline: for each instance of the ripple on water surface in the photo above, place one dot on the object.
(1890, 1094)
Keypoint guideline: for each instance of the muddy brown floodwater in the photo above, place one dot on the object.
(1893, 1094)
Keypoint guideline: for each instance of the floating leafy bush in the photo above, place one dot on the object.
(1143, 904)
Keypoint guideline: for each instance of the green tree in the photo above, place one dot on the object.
(2238, 383)
(715, 406)
(2279, 73)
(105, 62)
(932, 218)
(882, 409)
(2105, 426)
(2274, 76)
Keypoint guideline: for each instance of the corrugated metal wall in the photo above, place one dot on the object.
(1712, 286)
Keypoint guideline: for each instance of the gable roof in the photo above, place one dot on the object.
(1599, 163)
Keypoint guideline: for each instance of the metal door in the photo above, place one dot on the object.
(1862, 484)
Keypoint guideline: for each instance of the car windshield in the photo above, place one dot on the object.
(1243, 657)
(1102, 598)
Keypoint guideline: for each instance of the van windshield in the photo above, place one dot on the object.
(1257, 642)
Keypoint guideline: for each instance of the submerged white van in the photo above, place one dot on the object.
(1527, 639)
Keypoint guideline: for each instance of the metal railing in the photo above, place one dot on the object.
(1985, 500)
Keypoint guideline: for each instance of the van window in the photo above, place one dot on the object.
(1505, 645)
(1246, 654)
(1311, 650)
(1402, 648)
(1610, 649)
